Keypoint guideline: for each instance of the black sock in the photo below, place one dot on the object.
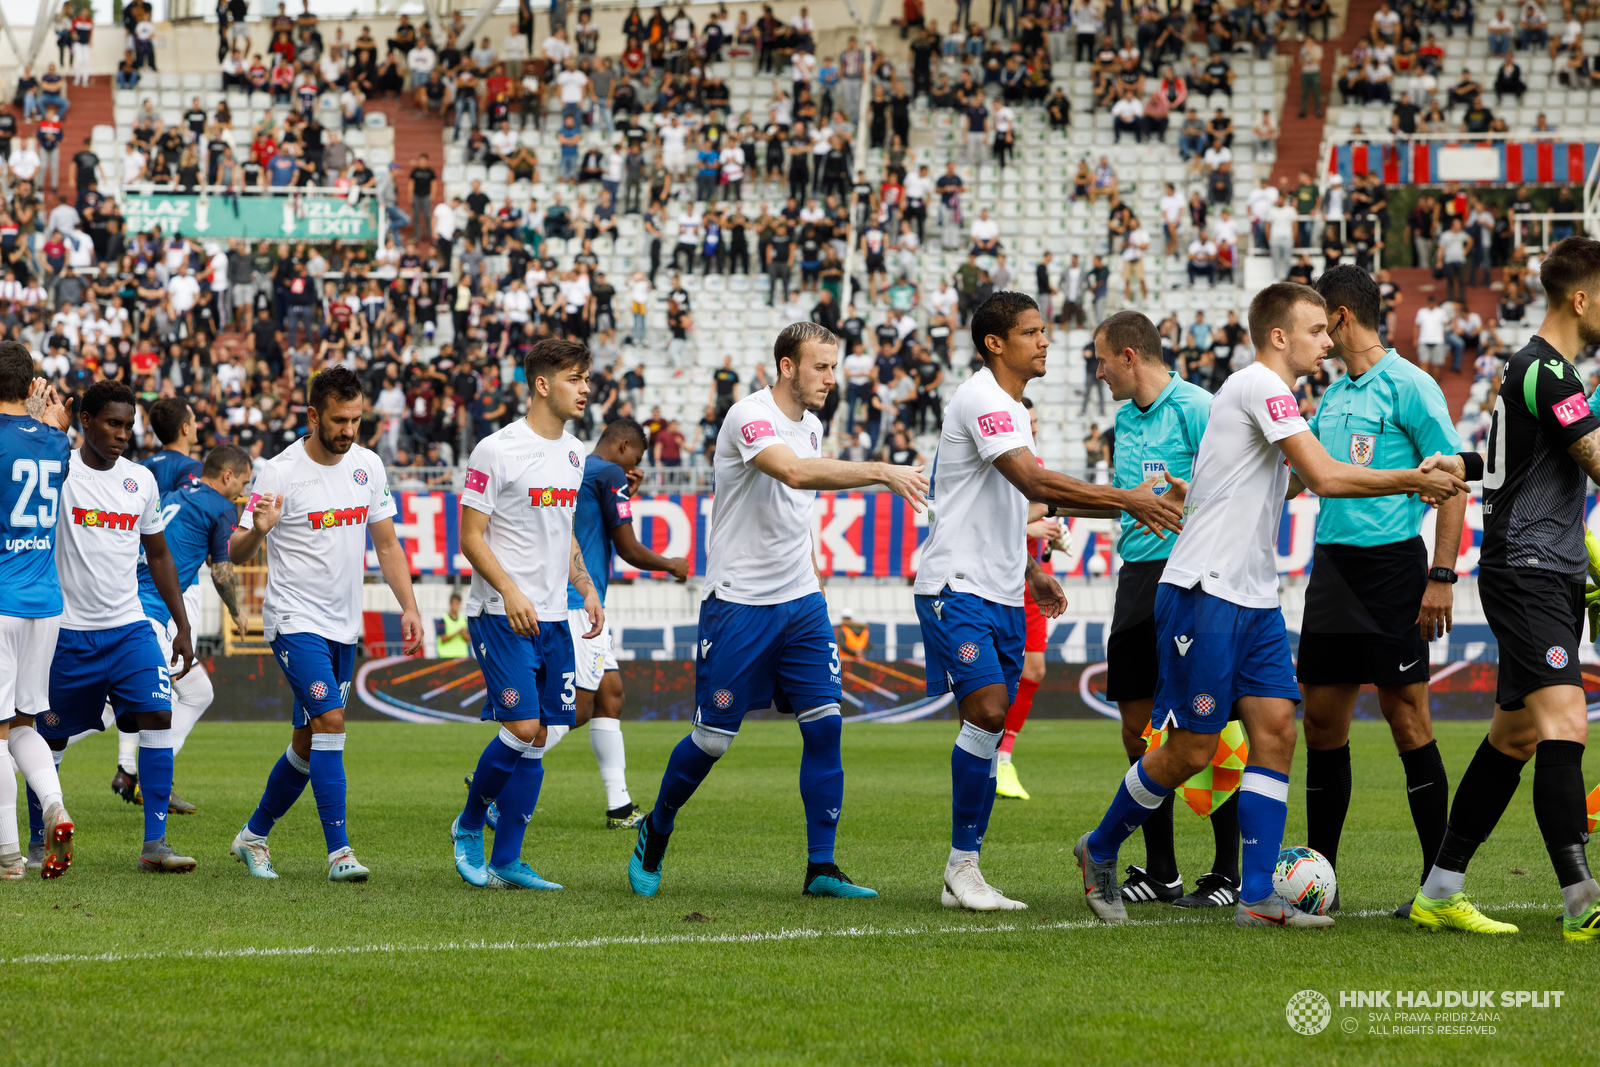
(1327, 798)
(1486, 788)
(1160, 855)
(1428, 793)
(1225, 830)
(1559, 807)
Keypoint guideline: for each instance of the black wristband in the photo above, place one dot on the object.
(1051, 511)
(1474, 462)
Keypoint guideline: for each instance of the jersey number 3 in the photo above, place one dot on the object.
(35, 474)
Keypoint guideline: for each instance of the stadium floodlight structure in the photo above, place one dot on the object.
(1591, 197)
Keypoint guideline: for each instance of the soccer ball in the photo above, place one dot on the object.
(1304, 878)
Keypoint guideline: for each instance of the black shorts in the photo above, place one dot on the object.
(875, 263)
(1537, 619)
(1360, 622)
(1131, 648)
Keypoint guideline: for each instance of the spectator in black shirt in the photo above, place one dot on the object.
(422, 179)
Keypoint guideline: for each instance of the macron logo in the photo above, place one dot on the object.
(1570, 410)
(1183, 644)
(1282, 407)
(995, 422)
(705, 649)
(754, 431)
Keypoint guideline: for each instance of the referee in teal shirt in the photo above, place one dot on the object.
(1157, 435)
(1373, 604)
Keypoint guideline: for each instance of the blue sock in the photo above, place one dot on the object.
(1263, 810)
(328, 786)
(821, 783)
(971, 788)
(687, 767)
(499, 759)
(155, 780)
(988, 799)
(517, 799)
(35, 818)
(284, 786)
(1137, 798)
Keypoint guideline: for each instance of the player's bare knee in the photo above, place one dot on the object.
(529, 731)
(1033, 669)
(154, 720)
(711, 741)
(329, 722)
(986, 708)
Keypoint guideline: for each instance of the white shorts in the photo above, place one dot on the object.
(27, 647)
(591, 658)
(196, 685)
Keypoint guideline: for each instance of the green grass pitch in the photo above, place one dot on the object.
(416, 967)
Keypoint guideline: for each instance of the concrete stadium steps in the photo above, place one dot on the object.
(414, 133)
(91, 107)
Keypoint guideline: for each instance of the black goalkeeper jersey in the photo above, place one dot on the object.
(1532, 490)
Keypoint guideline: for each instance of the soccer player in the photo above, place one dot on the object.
(522, 489)
(34, 447)
(174, 424)
(1543, 439)
(765, 640)
(1157, 435)
(1373, 604)
(199, 518)
(109, 514)
(314, 505)
(1222, 649)
(603, 525)
(967, 591)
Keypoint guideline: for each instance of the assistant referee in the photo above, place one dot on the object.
(1157, 434)
(1373, 604)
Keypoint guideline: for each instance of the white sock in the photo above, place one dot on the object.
(1005, 757)
(553, 736)
(957, 855)
(191, 696)
(1442, 884)
(37, 764)
(9, 840)
(128, 752)
(605, 737)
(1577, 897)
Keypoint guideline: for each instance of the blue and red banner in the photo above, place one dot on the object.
(1416, 162)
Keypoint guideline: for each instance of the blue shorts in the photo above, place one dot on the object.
(969, 642)
(123, 665)
(527, 677)
(318, 670)
(1210, 652)
(756, 656)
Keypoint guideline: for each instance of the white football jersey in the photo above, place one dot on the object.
(317, 554)
(978, 540)
(103, 514)
(759, 548)
(1235, 501)
(528, 486)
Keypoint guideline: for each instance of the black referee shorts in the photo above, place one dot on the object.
(1360, 622)
(1131, 648)
(1537, 619)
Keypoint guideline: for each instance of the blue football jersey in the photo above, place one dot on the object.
(173, 470)
(33, 465)
(603, 504)
(199, 521)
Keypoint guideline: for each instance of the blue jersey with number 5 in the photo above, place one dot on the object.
(33, 464)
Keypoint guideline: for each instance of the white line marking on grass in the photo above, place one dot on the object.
(747, 938)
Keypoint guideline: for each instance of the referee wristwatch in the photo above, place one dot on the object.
(1443, 574)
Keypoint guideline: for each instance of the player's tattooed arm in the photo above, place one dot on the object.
(226, 580)
(579, 577)
(1586, 451)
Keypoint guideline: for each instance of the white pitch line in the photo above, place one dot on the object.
(748, 938)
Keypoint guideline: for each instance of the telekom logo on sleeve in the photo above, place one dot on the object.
(255, 498)
(995, 422)
(477, 481)
(624, 509)
(1570, 410)
(755, 431)
(1282, 407)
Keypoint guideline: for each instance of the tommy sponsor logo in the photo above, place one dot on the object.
(104, 520)
(1556, 656)
(1570, 410)
(1282, 407)
(1183, 644)
(1363, 446)
(755, 431)
(1204, 704)
(360, 475)
(967, 652)
(995, 422)
(319, 690)
(722, 698)
(333, 517)
(551, 497)
(133, 487)
(477, 481)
